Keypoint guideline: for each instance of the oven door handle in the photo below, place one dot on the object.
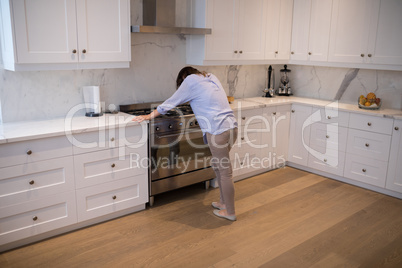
(193, 134)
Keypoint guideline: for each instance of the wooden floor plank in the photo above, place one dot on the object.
(286, 218)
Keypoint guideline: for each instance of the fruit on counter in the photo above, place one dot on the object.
(369, 100)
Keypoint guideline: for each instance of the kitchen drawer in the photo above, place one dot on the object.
(332, 116)
(36, 217)
(23, 183)
(110, 165)
(249, 140)
(366, 170)
(95, 141)
(368, 144)
(328, 136)
(250, 116)
(110, 197)
(371, 123)
(329, 162)
(24, 152)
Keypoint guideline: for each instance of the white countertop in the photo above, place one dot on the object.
(20, 131)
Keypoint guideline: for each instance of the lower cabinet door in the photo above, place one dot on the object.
(365, 170)
(36, 217)
(331, 162)
(103, 199)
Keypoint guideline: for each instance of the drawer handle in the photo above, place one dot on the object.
(274, 113)
(364, 170)
(329, 117)
(325, 160)
(244, 118)
(293, 111)
(113, 165)
(114, 197)
(29, 152)
(369, 124)
(327, 136)
(112, 139)
(35, 218)
(396, 128)
(367, 145)
(31, 182)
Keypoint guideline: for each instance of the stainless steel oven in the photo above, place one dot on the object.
(178, 156)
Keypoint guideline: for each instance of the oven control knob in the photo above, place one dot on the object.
(196, 123)
(170, 126)
(157, 128)
(191, 124)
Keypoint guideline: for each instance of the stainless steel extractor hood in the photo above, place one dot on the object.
(159, 16)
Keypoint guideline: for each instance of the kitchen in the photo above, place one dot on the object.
(42, 95)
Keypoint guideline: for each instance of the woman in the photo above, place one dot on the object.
(208, 100)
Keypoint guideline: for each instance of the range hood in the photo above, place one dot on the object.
(159, 16)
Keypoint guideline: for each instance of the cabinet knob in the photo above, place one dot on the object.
(74, 51)
(241, 51)
(29, 152)
(243, 118)
(327, 136)
(369, 124)
(369, 55)
(364, 170)
(293, 111)
(292, 52)
(31, 182)
(325, 160)
(309, 53)
(367, 145)
(84, 51)
(112, 139)
(242, 138)
(396, 128)
(274, 113)
(329, 117)
(276, 52)
(114, 197)
(235, 51)
(35, 218)
(113, 165)
(362, 55)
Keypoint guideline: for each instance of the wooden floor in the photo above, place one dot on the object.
(286, 218)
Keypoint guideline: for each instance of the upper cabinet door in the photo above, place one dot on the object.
(103, 28)
(251, 30)
(353, 27)
(279, 29)
(220, 45)
(300, 29)
(45, 31)
(388, 46)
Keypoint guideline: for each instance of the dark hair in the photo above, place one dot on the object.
(186, 71)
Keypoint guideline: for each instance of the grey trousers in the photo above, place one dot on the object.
(220, 146)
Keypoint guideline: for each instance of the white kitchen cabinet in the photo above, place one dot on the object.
(394, 175)
(353, 30)
(238, 31)
(276, 136)
(38, 216)
(66, 34)
(310, 30)
(300, 121)
(278, 29)
(387, 48)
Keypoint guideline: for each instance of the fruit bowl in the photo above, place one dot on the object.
(372, 106)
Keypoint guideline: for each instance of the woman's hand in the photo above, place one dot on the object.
(141, 118)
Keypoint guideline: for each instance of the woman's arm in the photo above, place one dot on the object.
(150, 116)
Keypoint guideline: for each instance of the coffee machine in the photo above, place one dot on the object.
(284, 85)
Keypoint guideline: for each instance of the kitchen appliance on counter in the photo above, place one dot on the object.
(284, 85)
(93, 106)
(178, 156)
(269, 90)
